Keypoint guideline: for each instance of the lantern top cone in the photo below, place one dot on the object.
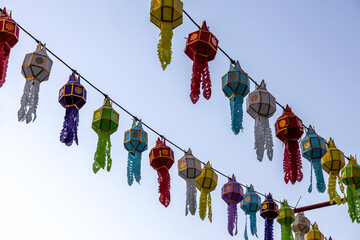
(269, 209)
(9, 30)
(350, 174)
(333, 160)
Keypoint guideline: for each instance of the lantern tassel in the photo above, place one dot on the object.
(209, 210)
(236, 103)
(263, 138)
(164, 46)
(299, 236)
(206, 81)
(292, 162)
(353, 203)
(4, 59)
(102, 155)
(29, 101)
(71, 121)
(198, 66)
(320, 183)
(268, 139)
(310, 186)
(232, 218)
(286, 233)
(253, 224)
(203, 203)
(245, 231)
(269, 229)
(134, 167)
(333, 195)
(190, 196)
(164, 186)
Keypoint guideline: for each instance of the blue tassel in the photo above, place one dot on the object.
(130, 168)
(236, 103)
(245, 232)
(320, 183)
(137, 166)
(253, 224)
(310, 187)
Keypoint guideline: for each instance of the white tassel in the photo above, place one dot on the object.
(263, 138)
(191, 203)
(299, 236)
(29, 101)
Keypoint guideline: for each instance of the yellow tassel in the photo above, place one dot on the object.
(164, 46)
(210, 212)
(342, 189)
(203, 204)
(333, 195)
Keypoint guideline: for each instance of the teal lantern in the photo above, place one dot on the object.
(313, 149)
(235, 85)
(251, 205)
(135, 142)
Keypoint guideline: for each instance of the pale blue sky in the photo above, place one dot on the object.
(307, 51)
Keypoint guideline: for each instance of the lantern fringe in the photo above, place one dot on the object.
(245, 231)
(4, 59)
(236, 103)
(320, 182)
(353, 203)
(164, 186)
(71, 121)
(269, 229)
(134, 167)
(102, 155)
(299, 236)
(204, 203)
(164, 46)
(286, 233)
(29, 101)
(232, 218)
(200, 73)
(333, 195)
(190, 196)
(253, 224)
(263, 138)
(292, 162)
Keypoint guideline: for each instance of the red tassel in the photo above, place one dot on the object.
(4, 59)
(164, 186)
(292, 162)
(206, 86)
(200, 63)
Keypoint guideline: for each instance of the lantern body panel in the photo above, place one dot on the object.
(189, 166)
(334, 159)
(269, 209)
(261, 102)
(350, 174)
(105, 118)
(286, 214)
(207, 180)
(9, 30)
(235, 82)
(72, 94)
(288, 127)
(202, 43)
(37, 65)
(135, 139)
(251, 201)
(301, 225)
(166, 11)
(313, 146)
(161, 156)
(232, 191)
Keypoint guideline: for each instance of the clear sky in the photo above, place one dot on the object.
(307, 51)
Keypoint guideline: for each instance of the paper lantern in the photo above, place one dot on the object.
(206, 183)
(201, 47)
(235, 85)
(161, 159)
(166, 15)
(350, 175)
(232, 193)
(251, 205)
(105, 122)
(286, 218)
(314, 233)
(189, 168)
(289, 128)
(9, 35)
(332, 162)
(300, 226)
(135, 142)
(261, 105)
(36, 69)
(72, 96)
(313, 149)
(269, 211)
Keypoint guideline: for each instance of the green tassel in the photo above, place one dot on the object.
(286, 233)
(102, 155)
(353, 203)
(164, 46)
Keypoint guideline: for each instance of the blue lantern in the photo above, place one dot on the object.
(235, 85)
(313, 149)
(250, 205)
(135, 142)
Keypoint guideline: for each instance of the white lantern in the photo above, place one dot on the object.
(300, 226)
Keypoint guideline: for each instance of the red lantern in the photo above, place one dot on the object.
(201, 47)
(289, 128)
(161, 159)
(9, 36)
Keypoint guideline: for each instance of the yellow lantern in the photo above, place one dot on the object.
(314, 233)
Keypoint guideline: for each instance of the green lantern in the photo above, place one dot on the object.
(350, 176)
(105, 122)
(286, 218)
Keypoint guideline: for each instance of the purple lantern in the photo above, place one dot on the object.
(232, 193)
(72, 96)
